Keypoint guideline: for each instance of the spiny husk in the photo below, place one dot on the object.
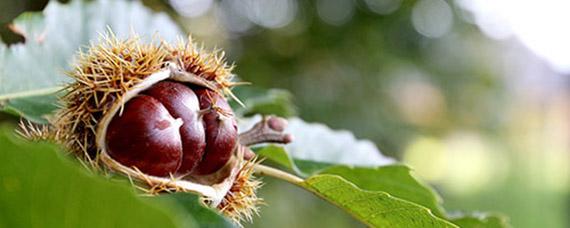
(113, 71)
(208, 65)
(107, 70)
(240, 203)
(36, 132)
(101, 76)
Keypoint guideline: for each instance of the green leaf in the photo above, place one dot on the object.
(35, 109)
(52, 38)
(279, 156)
(374, 208)
(205, 217)
(396, 180)
(266, 102)
(40, 188)
(481, 220)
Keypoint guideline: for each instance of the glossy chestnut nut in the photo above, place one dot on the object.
(221, 131)
(182, 103)
(173, 129)
(146, 136)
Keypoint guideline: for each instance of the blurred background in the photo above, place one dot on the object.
(473, 94)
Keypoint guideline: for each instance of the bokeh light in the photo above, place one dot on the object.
(383, 7)
(432, 18)
(271, 13)
(191, 8)
(335, 12)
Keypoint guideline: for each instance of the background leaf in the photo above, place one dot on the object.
(277, 102)
(278, 155)
(40, 189)
(206, 217)
(53, 36)
(374, 208)
(317, 142)
(481, 220)
(396, 180)
(34, 109)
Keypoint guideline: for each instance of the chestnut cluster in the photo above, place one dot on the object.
(173, 128)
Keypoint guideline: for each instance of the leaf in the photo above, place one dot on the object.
(317, 142)
(279, 156)
(481, 220)
(205, 217)
(266, 102)
(52, 38)
(32, 108)
(374, 208)
(40, 189)
(393, 179)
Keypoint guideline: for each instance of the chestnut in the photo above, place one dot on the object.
(156, 112)
(146, 136)
(182, 103)
(171, 128)
(221, 131)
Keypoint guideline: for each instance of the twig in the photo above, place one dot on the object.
(272, 172)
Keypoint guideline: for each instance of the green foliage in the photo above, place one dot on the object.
(279, 156)
(39, 188)
(34, 109)
(37, 67)
(375, 197)
(205, 217)
(395, 180)
(481, 221)
(266, 102)
(375, 208)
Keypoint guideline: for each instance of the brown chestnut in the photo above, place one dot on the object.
(221, 131)
(171, 128)
(145, 136)
(182, 103)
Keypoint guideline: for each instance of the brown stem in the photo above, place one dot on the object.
(268, 130)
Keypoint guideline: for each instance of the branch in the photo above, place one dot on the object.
(276, 173)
